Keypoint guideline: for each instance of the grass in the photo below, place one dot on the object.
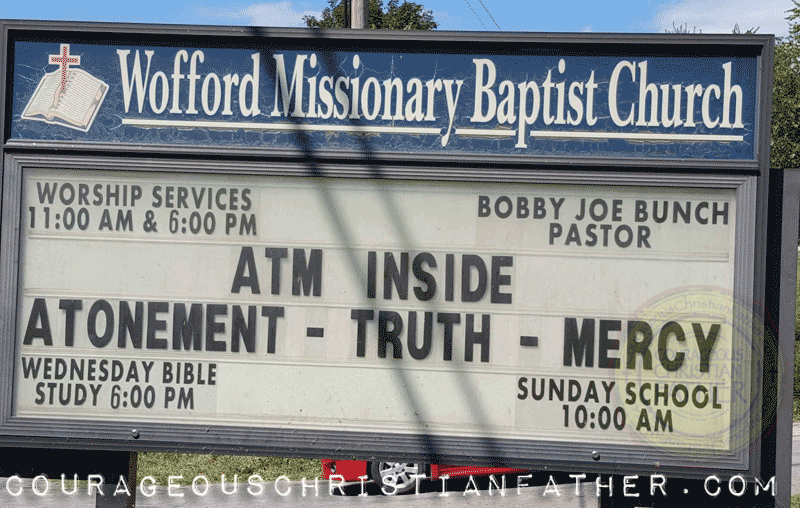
(189, 465)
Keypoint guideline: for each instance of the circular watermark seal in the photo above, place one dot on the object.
(687, 372)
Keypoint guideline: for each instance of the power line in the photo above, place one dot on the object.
(476, 14)
(490, 15)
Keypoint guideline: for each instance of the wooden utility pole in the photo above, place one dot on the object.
(359, 13)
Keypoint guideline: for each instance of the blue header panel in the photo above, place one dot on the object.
(528, 105)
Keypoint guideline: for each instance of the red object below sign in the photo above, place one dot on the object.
(357, 470)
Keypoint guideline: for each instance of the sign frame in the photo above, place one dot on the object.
(750, 178)
(455, 449)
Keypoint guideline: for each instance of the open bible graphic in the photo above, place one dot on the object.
(69, 97)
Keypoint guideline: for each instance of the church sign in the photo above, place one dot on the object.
(532, 250)
(278, 97)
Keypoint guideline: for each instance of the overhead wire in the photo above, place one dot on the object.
(476, 15)
(490, 15)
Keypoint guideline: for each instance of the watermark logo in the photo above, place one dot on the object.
(686, 377)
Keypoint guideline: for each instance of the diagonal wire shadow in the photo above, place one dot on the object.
(431, 444)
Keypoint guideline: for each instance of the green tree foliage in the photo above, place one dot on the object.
(785, 141)
(737, 30)
(395, 16)
(683, 29)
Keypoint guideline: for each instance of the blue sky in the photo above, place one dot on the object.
(708, 16)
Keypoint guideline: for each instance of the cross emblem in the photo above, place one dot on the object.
(63, 60)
